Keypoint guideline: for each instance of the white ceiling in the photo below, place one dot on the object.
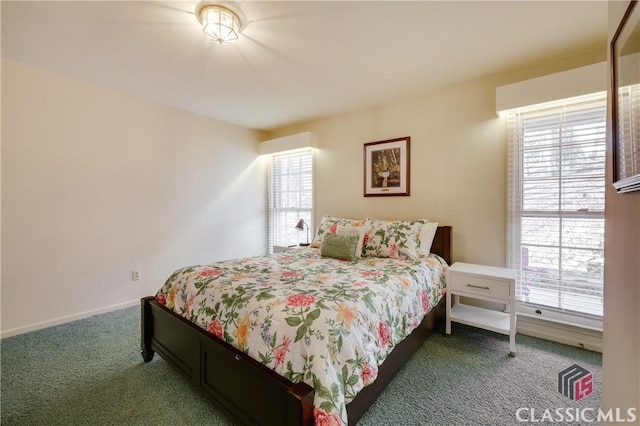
(295, 60)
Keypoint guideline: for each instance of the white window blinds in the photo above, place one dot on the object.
(556, 203)
(290, 198)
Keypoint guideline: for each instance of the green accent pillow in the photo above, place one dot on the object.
(340, 246)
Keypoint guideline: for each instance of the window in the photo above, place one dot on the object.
(290, 198)
(556, 185)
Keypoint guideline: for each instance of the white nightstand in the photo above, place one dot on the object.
(280, 249)
(485, 283)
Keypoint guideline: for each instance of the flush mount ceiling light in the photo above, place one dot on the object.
(219, 23)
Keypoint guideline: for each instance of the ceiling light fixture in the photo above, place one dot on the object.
(219, 23)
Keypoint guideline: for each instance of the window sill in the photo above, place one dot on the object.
(539, 313)
(562, 328)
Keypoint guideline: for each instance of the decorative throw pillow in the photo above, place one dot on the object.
(329, 225)
(340, 246)
(353, 230)
(399, 239)
(427, 234)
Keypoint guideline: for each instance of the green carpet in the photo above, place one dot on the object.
(91, 372)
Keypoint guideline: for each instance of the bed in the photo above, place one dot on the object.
(237, 348)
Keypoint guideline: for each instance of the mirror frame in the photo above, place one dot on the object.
(630, 180)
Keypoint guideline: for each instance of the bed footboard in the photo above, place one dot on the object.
(243, 388)
(246, 390)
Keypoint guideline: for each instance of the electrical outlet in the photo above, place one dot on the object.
(135, 275)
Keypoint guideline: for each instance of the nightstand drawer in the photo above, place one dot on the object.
(282, 249)
(479, 286)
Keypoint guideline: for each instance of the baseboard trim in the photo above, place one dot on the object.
(561, 333)
(70, 318)
(557, 332)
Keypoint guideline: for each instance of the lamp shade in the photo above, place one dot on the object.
(300, 227)
(219, 23)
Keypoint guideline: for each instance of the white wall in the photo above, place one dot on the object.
(621, 354)
(456, 148)
(96, 184)
(458, 160)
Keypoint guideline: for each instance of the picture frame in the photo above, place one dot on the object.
(387, 167)
(625, 101)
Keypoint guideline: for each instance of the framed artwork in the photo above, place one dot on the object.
(386, 167)
(625, 101)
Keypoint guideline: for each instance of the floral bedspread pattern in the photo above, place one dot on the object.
(327, 322)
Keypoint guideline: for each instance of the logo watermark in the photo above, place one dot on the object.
(577, 415)
(575, 382)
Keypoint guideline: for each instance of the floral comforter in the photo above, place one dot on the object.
(327, 322)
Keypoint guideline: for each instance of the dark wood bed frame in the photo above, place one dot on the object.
(247, 391)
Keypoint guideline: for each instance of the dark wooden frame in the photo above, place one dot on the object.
(246, 390)
(404, 173)
(631, 182)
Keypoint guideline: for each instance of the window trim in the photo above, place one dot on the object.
(306, 213)
(515, 213)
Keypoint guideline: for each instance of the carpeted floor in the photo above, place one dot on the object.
(90, 372)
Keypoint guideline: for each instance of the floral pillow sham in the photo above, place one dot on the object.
(399, 239)
(380, 238)
(329, 225)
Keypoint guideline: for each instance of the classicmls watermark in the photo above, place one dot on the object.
(578, 415)
(575, 383)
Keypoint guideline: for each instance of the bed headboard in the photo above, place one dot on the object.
(442, 243)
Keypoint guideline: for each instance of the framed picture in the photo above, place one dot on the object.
(625, 101)
(386, 167)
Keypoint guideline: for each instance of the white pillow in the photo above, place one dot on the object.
(427, 233)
